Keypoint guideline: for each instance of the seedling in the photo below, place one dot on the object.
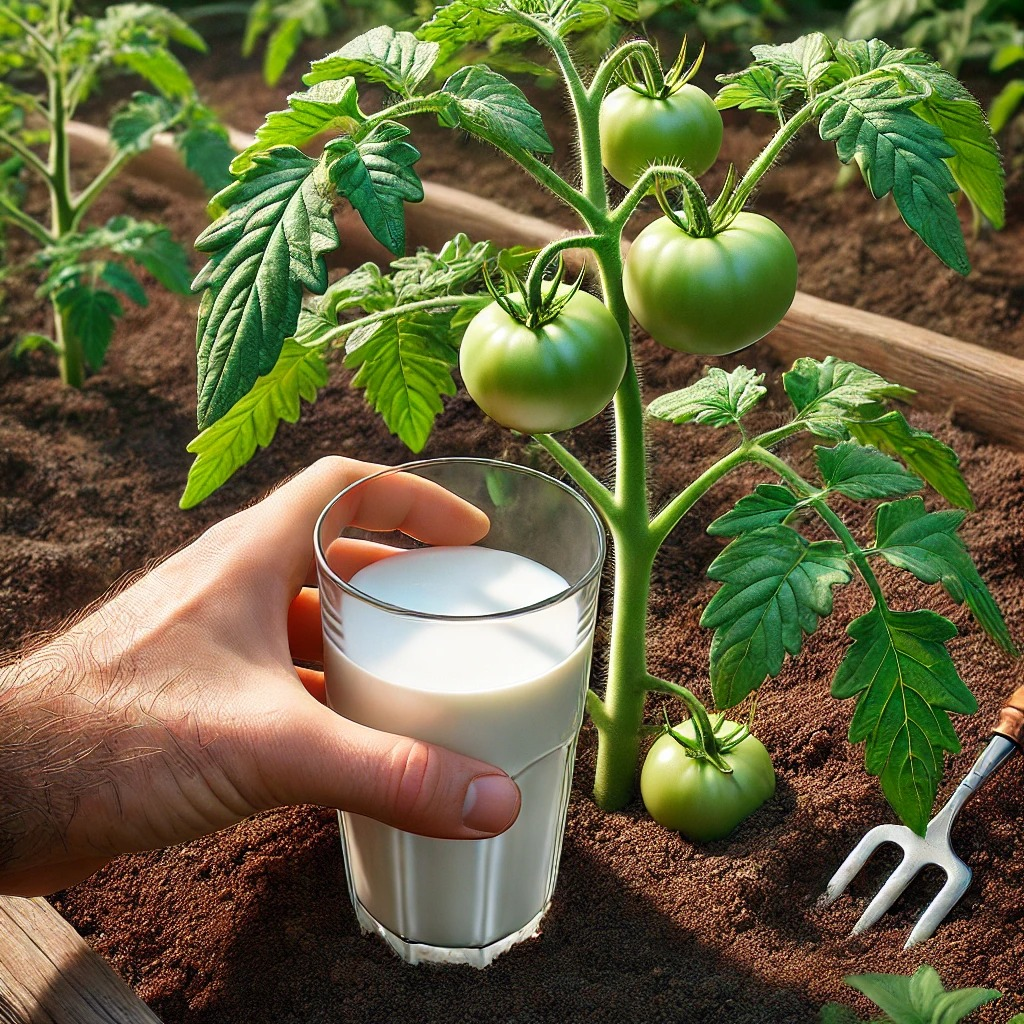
(51, 61)
(914, 132)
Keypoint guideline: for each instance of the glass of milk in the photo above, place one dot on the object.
(484, 649)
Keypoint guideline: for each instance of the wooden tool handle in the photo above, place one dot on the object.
(1011, 718)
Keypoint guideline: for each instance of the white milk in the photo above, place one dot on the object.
(508, 691)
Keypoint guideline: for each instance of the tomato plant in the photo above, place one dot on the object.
(547, 377)
(713, 294)
(688, 793)
(719, 278)
(51, 60)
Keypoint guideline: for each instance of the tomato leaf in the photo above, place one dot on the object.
(252, 421)
(922, 453)
(718, 398)
(769, 505)
(825, 392)
(902, 154)
(205, 147)
(763, 89)
(927, 545)
(266, 246)
(91, 313)
(134, 125)
(775, 586)
(282, 45)
(860, 472)
(807, 63)
(375, 175)
(489, 105)
(327, 106)
(920, 998)
(405, 366)
(905, 681)
(122, 280)
(945, 103)
(152, 247)
(396, 59)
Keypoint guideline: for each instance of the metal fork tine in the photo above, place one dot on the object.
(858, 857)
(888, 894)
(947, 898)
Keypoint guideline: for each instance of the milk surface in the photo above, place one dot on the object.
(506, 690)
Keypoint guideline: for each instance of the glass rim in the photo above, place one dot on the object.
(561, 595)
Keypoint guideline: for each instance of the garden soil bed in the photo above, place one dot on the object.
(253, 924)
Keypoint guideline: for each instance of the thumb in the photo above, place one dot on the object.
(413, 785)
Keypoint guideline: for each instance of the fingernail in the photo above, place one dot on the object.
(492, 804)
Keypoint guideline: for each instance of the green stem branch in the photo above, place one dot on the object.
(15, 144)
(596, 491)
(25, 222)
(701, 721)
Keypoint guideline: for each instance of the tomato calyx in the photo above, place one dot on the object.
(647, 78)
(533, 306)
(711, 745)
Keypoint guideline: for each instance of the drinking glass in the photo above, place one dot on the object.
(484, 649)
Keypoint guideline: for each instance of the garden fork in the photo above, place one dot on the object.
(935, 846)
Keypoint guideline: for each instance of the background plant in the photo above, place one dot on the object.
(914, 132)
(51, 61)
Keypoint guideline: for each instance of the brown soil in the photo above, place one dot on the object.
(253, 924)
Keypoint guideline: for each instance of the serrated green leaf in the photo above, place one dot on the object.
(718, 398)
(757, 88)
(327, 106)
(922, 453)
(405, 366)
(366, 287)
(251, 423)
(808, 63)
(268, 244)
(134, 125)
(396, 59)
(127, 22)
(90, 315)
(376, 176)
(461, 23)
(906, 681)
(489, 105)
(826, 392)
(775, 586)
(769, 505)
(920, 998)
(927, 545)
(121, 279)
(862, 472)
(426, 275)
(902, 154)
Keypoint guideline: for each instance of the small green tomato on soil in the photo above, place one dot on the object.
(684, 791)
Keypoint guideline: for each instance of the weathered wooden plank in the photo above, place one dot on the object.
(50, 975)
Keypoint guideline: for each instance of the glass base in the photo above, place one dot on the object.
(421, 953)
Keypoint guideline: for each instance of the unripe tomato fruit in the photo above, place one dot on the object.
(710, 295)
(637, 131)
(691, 796)
(541, 380)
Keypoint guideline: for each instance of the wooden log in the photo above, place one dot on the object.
(50, 975)
(983, 389)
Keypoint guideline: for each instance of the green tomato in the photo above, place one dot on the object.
(637, 131)
(710, 295)
(540, 380)
(691, 796)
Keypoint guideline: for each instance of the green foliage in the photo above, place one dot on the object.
(917, 999)
(776, 584)
(50, 62)
(913, 130)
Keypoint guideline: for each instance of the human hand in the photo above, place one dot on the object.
(174, 709)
